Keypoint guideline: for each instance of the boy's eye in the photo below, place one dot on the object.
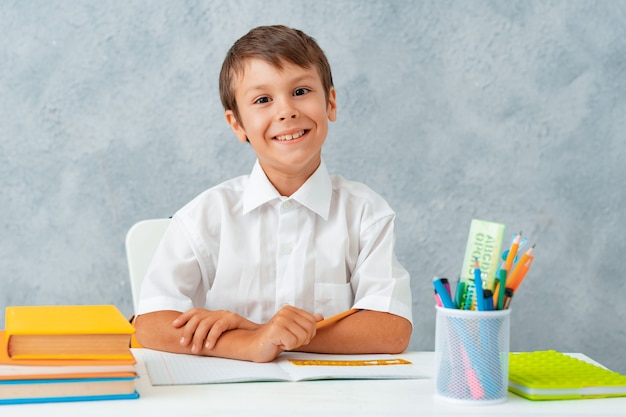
(262, 100)
(300, 91)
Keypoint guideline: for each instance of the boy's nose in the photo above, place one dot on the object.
(286, 112)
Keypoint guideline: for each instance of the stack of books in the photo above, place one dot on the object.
(66, 353)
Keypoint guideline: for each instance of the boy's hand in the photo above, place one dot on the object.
(289, 329)
(203, 327)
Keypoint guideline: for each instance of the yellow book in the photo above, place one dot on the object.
(67, 332)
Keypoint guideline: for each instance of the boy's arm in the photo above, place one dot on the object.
(241, 339)
(156, 330)
(364, 332)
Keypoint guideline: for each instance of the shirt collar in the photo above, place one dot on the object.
(315, 193)
(259, 189)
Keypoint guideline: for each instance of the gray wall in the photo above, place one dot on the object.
(511, 111)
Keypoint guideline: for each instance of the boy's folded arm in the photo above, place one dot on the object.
(364, 332)
(289, 329)
(156, 330)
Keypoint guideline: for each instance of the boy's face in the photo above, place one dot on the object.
(284, 114)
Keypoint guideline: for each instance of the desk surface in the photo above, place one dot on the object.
(314, 398)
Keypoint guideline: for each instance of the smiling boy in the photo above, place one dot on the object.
(284, 114)
(248, 267)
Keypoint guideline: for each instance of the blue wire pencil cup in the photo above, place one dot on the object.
(472, 355)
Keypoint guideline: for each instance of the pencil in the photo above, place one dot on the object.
(518, 274)
(508, 263)
(478, 284)
(332, 319)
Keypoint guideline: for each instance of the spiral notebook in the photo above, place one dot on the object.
(551, 375)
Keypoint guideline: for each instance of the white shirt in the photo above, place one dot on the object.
(240, 246)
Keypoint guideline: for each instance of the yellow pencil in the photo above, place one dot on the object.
(335, 318)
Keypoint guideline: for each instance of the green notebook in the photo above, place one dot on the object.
(550, 375)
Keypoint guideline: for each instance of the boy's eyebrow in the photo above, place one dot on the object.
(302, 78)
(254, 88)
(263, 87)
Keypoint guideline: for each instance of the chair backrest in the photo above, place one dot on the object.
(142, 240)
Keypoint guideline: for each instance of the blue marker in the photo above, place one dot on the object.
(488, 300)
(443, 293)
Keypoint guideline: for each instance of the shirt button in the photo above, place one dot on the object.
(287, 204)
(286, 250)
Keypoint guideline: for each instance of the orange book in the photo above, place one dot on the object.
(67, 332)
(12, 369)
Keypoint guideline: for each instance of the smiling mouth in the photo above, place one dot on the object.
(292, 136)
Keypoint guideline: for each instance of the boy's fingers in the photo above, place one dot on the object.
(183, 318)
(179, 321)
(303, 318)
(292, 332)
(214, 334)
(189, 329)
(201, 331)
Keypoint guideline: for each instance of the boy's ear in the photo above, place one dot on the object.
(236, 126)
(332, 104)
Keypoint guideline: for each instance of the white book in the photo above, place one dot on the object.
(178, 369)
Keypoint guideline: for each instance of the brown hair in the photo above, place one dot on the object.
(275, 45)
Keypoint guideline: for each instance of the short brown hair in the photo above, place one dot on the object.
(275, 45)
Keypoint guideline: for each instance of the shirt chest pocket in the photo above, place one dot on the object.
(331, 298)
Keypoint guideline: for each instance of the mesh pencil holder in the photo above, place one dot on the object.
(472, 355)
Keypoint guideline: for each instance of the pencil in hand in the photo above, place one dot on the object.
(333, 319)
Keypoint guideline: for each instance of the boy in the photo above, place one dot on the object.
(248, 267)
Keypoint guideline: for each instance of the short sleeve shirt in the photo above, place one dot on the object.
(241, 246)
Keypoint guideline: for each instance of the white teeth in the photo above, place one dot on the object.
(290, 137)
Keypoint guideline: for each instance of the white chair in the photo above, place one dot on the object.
(142, 240)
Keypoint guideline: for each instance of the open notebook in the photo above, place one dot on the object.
(178, 369)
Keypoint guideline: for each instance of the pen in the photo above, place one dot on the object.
(478, 283)
(473, 382)
(467, 302)
(443, 293)
(488, 300)
(323, 323)
(460, 294)
(438, 300)
(446, 284)
(518, 274)
(498, 294)
(507, 298)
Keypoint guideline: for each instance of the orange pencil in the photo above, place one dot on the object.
(518, 274)
(508, 263)
(335, 318)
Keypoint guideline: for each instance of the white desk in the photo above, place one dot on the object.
(316, 398)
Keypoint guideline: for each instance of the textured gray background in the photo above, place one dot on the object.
(511, 111)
